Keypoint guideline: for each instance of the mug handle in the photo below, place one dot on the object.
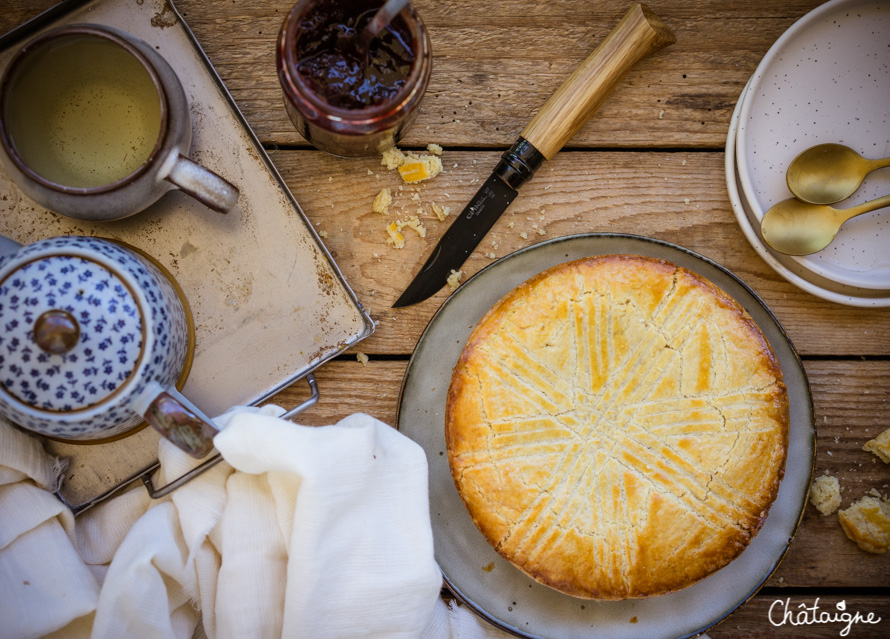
(203, 184)
(177, 419)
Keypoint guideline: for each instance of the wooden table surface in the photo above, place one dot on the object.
(650, 162)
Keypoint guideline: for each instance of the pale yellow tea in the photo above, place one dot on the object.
(83, 112)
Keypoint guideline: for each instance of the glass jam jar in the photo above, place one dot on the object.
(343, 102)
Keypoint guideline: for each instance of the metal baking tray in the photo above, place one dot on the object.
(269, 303)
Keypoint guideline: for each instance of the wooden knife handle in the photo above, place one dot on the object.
(638, 34)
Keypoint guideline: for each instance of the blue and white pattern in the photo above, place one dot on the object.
(132, 330)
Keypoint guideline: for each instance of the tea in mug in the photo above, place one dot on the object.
(83, 112)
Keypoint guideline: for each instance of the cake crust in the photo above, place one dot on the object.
(617, 427)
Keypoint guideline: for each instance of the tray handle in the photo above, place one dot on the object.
(157, 493)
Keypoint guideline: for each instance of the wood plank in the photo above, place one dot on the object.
(852, 404)
(679, 197)
(495, 64)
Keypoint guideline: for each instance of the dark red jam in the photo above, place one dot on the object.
(336, 70)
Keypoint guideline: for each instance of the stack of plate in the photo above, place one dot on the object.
(826, 79)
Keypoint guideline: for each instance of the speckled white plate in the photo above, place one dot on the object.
(826, 79)
(785, 265)
(498, 591)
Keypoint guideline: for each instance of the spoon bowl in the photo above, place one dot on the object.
(829, 173)
(794, 227)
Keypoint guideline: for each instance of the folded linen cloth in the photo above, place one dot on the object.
(301, 532)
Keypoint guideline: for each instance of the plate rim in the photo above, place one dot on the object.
(798, 363)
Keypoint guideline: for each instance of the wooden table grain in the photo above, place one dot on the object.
(650, 162)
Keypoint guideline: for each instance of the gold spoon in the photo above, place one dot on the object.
(800, 228)
(829, 173)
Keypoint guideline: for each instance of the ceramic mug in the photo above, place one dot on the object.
(94, 124)
(95, 338)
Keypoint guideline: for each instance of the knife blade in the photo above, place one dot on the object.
(639, 33)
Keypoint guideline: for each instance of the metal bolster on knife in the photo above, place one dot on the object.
(519, 163)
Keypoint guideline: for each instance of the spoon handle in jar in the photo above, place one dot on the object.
(638, 34)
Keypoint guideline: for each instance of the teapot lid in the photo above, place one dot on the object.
(72, 333)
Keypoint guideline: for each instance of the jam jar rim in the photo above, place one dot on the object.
(297, 91)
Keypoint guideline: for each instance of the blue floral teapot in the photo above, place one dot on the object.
(94, 338)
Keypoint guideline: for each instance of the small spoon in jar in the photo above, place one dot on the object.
(384, 15)
(800, 228)
(829, 173)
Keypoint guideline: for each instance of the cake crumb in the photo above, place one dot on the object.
(435, 149)
(395, 239)
(880, 446)
(441, 212)
(412, 168)
(825, 494)
(393, 158)
(417, 169)
(382, 202)
(454, 279)
(523, 235)
(322, 234)
(867, 522)
(361, 357)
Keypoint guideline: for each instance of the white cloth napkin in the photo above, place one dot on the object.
(301, 532)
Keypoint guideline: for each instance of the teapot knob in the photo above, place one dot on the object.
(56, 332)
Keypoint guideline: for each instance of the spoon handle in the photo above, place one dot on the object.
(878, 164)
(865, 207)
(383, 17)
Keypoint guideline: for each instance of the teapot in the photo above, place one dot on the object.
(94, 337)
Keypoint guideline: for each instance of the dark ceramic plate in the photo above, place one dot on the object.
(493, 587)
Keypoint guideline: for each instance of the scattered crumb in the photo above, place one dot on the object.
(415, 197)
(454, 279)
(370, 172)
(412, 168)
(661, 114)
(417, 225)
(511, 225)
(686, 200)
(330, 178)
(523, 235)
(421, 168)
(867, 522)
(880, 446)
(322, 234)
(393, 158)
(542, 232)
(492, 256)
(394, 229)
(362, 358)
(435, 149)
(825, 494)
(382, 202)
(441, 212)
(395, 239)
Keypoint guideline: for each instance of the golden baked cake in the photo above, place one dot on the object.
(617, 427)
